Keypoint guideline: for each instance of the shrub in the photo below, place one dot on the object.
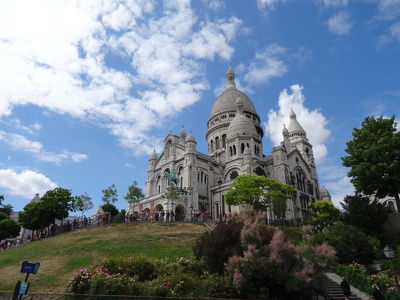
(141, 277)
(358, 277)
(350, 244)
(215, 247)
(274, 267)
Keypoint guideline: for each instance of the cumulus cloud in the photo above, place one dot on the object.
(266, 64)
(25, 183)
(313, 122)
(340, 24)
(62, 66)
(339, 190)
(21, 143)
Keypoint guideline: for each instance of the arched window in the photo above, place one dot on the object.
(300, 181)
(168, 148)
(224, 141)
(234, 150)
(217, 143)
(211, 146)
(391, 206)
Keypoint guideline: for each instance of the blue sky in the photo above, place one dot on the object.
(89, 88)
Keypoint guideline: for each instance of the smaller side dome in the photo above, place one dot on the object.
(191, 137)
(324, 192)
(154, 155)
(295, 128)
(183, 130)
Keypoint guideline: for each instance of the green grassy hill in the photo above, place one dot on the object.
(62, 255)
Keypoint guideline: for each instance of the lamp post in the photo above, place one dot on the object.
(389, 253)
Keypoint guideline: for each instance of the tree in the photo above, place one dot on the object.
(83, 202)
(36, 215)
(350, 244)
(60, 202)
(259, 192)
(7, 209)
(3, 216)
(134, 194)
(374, 158)
(110, 195)
(369, 216)
(9, 229)
(110, 208)
(323, 215)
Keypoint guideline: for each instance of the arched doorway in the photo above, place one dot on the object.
(179, 213)
(158, 212)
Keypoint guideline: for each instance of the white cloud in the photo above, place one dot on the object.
(270, 3)
(25, 183)
(302, 55)
(215, 4)
(313, 122)
(388, 9)
(266, 64)
(395, 31)
(21, 143)
(61, 66)
(339, 190)
(340, 24)
(333, 3)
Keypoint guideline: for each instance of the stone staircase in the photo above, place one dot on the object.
(334, 291)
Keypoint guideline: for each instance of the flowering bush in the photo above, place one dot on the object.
(357, 275)
(276, 267)
(141, 277)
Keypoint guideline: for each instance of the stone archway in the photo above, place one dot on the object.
(179, 213)
(158, 213)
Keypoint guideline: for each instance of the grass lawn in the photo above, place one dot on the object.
(62, 255)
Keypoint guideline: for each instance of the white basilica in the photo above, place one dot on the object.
(234, 136)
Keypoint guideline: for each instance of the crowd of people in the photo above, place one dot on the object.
(194, 216)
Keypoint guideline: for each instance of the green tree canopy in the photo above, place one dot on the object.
(111, 208)
(60, 202)
(259, 192)
(83, 202)
(110, 195)
(7, 209)
(374, 158)
(323, 215)
(368, 216)
(36, 215)
(3, 216)
(9, 229)
(170, 194)
(134, 194)
(350, 243)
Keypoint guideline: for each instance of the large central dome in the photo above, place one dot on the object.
(224, 112)
(226, 102)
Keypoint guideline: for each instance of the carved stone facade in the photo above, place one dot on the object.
(234, 136)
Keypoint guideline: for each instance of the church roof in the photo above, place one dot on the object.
(154, 155)
(324, 192)
(294, 126)
(240, 123)
(191, 137)
(227, 100)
